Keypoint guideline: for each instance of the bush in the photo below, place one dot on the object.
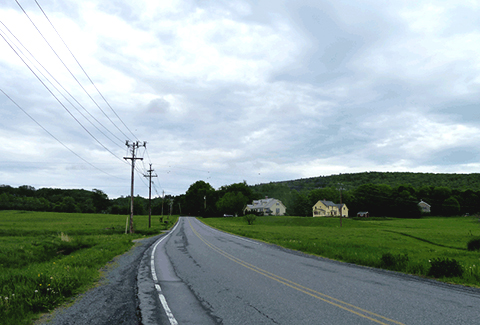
(394, 262)
(250, 218)
(445, 267)
(474, 244)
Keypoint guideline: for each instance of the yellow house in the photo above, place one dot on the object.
(325, 208)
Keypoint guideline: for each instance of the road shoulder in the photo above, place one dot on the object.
(113, 300)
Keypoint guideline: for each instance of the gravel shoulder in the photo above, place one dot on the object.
(113, 300)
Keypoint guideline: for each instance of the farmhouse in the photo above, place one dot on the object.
(424, 206)
(267, 206)
(324, 208)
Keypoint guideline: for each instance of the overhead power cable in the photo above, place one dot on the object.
(51, 83)
(155, 188)
(91, 81)
(50, 91)
(50, 134)
(60, 59)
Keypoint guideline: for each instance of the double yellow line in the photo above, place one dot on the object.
(315, 294)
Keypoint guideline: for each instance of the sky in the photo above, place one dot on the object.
(233, 91)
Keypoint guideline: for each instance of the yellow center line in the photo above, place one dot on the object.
(323, 297)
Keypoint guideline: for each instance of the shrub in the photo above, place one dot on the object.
(250, 218)
(445, 267)
(394, 262)
(474, 244)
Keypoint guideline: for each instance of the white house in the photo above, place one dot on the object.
(267, 206)
(424, 206)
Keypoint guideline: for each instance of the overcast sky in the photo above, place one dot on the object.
(226, 91)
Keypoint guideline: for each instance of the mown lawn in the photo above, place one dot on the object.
(405, 245)
(46, 257)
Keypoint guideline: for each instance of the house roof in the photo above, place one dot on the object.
(263, 204)
(330, 203)
(422, 201)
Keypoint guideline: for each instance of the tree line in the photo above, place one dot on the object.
(390, 199)
(381, 200)
(460, 182)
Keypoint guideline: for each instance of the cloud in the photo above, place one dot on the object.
(243, 90)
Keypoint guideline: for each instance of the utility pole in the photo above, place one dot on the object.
(150, 195)
(163, 199)
(341, 208)
(133, 146)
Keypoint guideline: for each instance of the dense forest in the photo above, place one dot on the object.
(381, 194)
(81, 201)
(416, 180)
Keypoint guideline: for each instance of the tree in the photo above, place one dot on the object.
(68, 205)
(232, 203)
(300, 205)
(199, 197)
(26, 190)
(139, 205)
(100, 200)
(451, 207)
(237, 188)
(374, 198)
(329, 194)
(406, 206)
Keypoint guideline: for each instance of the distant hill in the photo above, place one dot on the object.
(417, 180)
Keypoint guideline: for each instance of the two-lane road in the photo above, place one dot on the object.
(205, 276)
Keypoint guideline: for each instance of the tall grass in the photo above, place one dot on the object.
(45, 258)
(405, 245)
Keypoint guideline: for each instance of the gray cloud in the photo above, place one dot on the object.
(247, 90)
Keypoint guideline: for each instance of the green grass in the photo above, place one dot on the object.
(414, 243)
(46, 257)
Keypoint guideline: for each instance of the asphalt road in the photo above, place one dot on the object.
(204, 276)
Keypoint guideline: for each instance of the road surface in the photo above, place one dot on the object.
(200, 275)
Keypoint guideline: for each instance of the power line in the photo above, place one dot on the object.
(73, 116)
(59, 58)
(49, 133)
(53, 85)
(91, 81)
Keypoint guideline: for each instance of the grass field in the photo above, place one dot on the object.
(46, 257)
(407, 245)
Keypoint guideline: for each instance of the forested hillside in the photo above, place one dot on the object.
(417, 180)
(392, 194)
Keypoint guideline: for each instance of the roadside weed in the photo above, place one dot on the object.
(46, 258)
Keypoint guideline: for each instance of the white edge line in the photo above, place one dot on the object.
(170, 316)
(169, 313)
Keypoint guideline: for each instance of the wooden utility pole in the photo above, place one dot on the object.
(341, 208)
(163, 199)
(133, 146)
(150, 195)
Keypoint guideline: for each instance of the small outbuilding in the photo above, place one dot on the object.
(424, 206)
(363, 214)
